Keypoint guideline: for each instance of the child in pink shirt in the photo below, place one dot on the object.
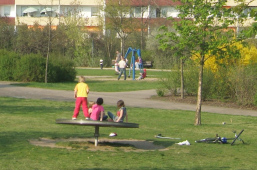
(98, 111)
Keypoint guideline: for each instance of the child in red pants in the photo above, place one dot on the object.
(81, 91)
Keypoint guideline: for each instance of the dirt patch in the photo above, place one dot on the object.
(103, 144)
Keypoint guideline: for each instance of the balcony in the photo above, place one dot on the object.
(43, 21)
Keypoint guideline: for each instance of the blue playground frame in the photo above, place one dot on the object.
(138, 51)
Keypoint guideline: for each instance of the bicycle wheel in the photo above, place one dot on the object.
(237, 137)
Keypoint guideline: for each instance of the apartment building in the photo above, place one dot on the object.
(7, 11)
(152, 12)
(38, 11)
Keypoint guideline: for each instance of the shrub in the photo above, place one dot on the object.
(7, 64)
(244, 84)
(171, 82)
(160, 92)
(61, 70)
(220, 86)
(191, 73)
(30, 67)
(255, 99)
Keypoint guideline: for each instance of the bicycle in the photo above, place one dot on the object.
(222, 140)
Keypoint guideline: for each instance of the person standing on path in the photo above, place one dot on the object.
(81, 91)
(122, 65)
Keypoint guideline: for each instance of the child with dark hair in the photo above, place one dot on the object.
(98, 111)
(121, 113)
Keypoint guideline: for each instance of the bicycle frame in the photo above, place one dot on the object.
(218, 139)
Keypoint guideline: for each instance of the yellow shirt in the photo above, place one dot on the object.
(81, 89)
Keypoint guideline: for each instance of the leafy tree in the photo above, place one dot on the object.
(6, 35)
(118, 18)
(203, 30)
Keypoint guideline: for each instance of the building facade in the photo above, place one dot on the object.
(31, 11)
(28, 12)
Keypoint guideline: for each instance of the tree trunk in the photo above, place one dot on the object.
(182, 80)
(142, 30)
(122, 46)
(48, 52)
(199, 96)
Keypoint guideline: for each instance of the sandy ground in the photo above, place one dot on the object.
(104, 144)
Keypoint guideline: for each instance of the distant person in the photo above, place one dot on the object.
(81, 91)
(101, 63)
(136, 64)
(117, 60)
(98, 111)
(122, 66)
(140, 64)
(121, 113)
(142, 75)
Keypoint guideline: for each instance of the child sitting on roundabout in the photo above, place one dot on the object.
(121, 113)
(98, 111)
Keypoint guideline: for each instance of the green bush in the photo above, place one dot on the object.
(191, 76)
(221, 87)
(160, 92)
(255, 99)
(171, 81)
(61, 70)
(208, 84)
(30, 67)
(7, 64)
(243, 80)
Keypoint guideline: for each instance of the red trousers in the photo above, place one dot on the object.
(81, 101)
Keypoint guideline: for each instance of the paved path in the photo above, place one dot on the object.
(132, 99)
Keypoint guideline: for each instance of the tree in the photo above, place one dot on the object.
(203, 29)
(6, 34)
(118, 18)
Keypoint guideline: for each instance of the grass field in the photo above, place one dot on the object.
(24, 120)
(105, 85)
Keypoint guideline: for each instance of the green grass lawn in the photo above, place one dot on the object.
(104, 85)
(24, 119)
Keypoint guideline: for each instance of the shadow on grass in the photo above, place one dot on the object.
(169, 168)
(12, 141)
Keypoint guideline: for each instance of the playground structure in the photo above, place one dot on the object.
(97, 124)
(132, 63)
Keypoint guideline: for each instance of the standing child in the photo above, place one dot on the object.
(101, 63)
(98, 111)
(121, 113)
(81, 91)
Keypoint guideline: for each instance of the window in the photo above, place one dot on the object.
(7, 10)
(94, 11)
(164, 12)
(138, 12)
(158, 12)
(249, 11)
